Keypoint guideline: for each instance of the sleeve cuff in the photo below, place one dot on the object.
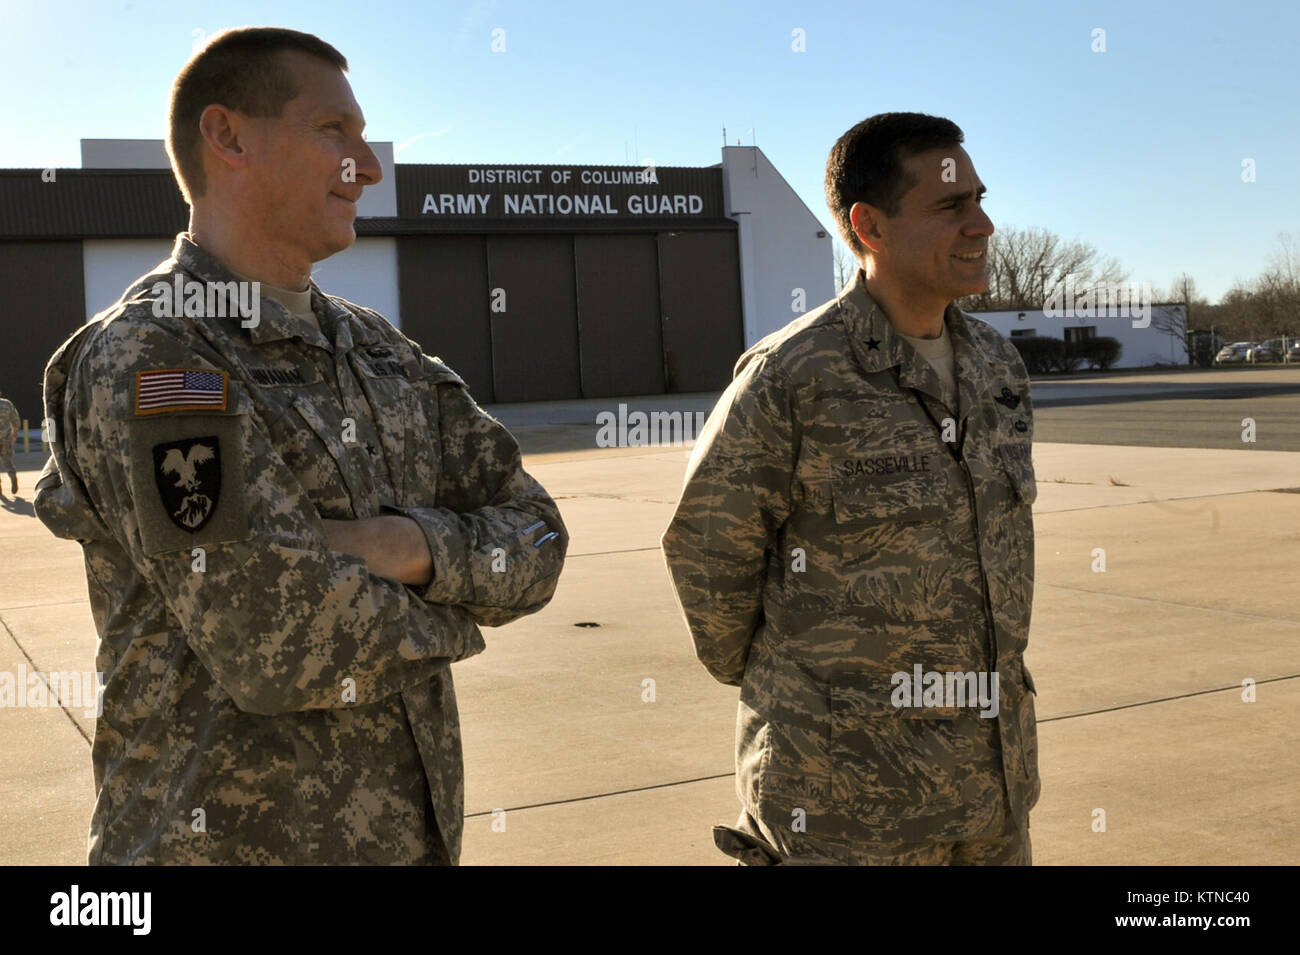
(453, 580)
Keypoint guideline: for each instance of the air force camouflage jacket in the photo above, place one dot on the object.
(268, 699)
(828, 537)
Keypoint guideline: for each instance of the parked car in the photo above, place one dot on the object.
(1262, 352)
(1230, 354)
(1288, 349)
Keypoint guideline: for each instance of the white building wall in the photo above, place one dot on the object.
(783, 247)
(365, 274)
(124, 154)
(110, 265)
(1138, 346)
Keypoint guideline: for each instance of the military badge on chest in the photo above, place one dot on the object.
(1008, 398)
(383, 362)
(188, 475)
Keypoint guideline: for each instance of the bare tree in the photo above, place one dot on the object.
(1026, 264)
(1184, 290)
(846, 266)
(1267, 306)
(1178, 323)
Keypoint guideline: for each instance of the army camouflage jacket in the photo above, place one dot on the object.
(843, 520)
(10, 424)
(268, 699)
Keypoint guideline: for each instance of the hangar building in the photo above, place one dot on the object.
(537, 282)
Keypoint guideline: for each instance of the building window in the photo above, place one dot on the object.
(1023, 333)
(1080, 334)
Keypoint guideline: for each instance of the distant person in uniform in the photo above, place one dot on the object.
(854, 543)
(294, 523)
(10, 424)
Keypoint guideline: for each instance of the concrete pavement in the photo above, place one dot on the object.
(1139, 668)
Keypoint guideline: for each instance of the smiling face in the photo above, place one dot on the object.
(935, 249)
(293, 190)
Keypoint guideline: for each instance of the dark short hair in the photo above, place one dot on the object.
(241, 70)
(866, 163)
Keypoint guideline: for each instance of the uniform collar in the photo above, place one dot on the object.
(275, 321)
(877, 346)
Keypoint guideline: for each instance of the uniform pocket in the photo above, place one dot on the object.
(1018, 462)
(904, 498)
(893, 549)
(187, 478)
(889, 761)
(1028, 717)
(393, 399)
(1018, 523)
(1029, 726)
(356, 489)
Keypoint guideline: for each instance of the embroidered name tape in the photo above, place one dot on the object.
(180, 389)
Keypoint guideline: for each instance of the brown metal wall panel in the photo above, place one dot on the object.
(699, 281)
(44, 302)
(444, 301)
(535, 338)
(91, 203)
(619, 333)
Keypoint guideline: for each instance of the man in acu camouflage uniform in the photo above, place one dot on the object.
(858, 507)
(10, 423)
(291, 526)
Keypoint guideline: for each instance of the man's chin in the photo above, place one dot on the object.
(969, 287)
(336, 243)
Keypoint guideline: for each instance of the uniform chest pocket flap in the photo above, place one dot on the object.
(861, 495)
(357, 488)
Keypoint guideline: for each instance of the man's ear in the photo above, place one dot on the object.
(221, 129)
(865, 219)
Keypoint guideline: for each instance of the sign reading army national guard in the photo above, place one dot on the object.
(293, 521)
(854, 543)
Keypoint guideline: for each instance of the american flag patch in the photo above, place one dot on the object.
(180, 389)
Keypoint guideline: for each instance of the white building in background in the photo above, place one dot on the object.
(1162, 341)
(366, 272)
(786, 261)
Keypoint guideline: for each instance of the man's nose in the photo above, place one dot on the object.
(980, 223)
(369, 171)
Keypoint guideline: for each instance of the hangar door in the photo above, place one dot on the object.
(445, 306)
(44, 287)
(699, 276)
(533, 318)
(546, 317)
(619, 332)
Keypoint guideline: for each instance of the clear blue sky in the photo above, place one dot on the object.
(1137, 150)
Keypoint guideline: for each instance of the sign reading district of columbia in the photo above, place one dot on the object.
(547, 191)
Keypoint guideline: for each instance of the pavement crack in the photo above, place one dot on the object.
(1166, 603)
(616, 792)
(1165, 699)
(606, 553)
(37, 670)
(702, 779)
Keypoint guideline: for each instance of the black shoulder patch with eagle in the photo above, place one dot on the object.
(188, 474)
(187, 479)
